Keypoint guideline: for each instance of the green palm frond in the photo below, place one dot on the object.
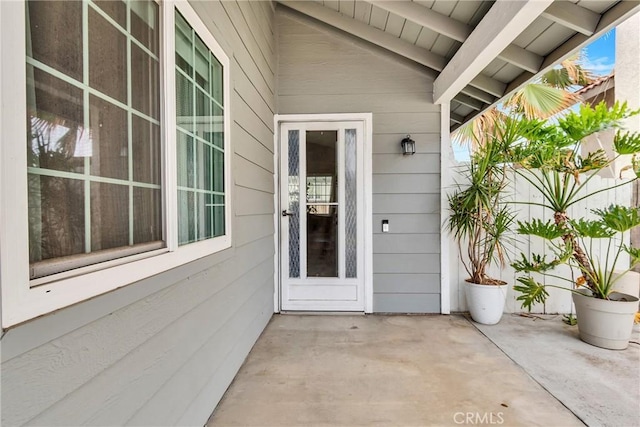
(538, 100)
(595, 160)
(634, 253)
(592, 229)
(536, 263)
(590, 120)
(547, 230)
(627, 143)
(531, 292)
(619, 218)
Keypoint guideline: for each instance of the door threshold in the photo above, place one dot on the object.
(323, 313)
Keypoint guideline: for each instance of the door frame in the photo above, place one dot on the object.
(367, 121)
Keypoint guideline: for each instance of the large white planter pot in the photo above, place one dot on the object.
(605, 323)
(628, 284)
(485, 302)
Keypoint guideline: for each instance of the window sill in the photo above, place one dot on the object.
(32, 302)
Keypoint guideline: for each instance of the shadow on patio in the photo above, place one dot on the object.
(416, 370)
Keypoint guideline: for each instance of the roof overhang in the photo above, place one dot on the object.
(478, 51)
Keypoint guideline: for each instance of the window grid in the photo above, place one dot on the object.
(88, 91)
(195, 137)
(91, 91)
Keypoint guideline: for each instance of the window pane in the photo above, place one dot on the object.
(116, 9)
(294, 202)
(322, 241)
(203, 166)
(145, 23)
(145, 77)
(351, 204)
(204, 217)
(216, 204)
(109, 142)
(56, 139)
(218, 171)
(218, 126)
(107, 58)
(109, 216)
(184, 102)
(186, 165)
(203, 114)
(184, 53)
(56, 217)
(146, 151)
(54, 35)
(216, 77)
(200, 140)
(322, 166)
(147, 214)
(201, 64)
(186, 220)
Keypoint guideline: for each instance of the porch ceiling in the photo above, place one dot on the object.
(479, 51)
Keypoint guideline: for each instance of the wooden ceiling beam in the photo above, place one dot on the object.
(572, 16)
(456, 30)
(499, 27)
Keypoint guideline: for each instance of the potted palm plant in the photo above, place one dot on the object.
(556, 163)
(480, 221)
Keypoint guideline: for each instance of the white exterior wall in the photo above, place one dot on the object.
(322, 70)
(164, 350)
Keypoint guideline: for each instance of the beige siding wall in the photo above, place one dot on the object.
(324, 71)
(163, 351)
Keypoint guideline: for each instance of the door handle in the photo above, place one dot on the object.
(286, 213)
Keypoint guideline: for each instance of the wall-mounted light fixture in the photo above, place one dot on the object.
(408, 146)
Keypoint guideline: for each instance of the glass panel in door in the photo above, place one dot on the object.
(322, 203)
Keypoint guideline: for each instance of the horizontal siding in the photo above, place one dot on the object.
(407, 283)
(321, 71)
(395, 183)
(251, 149)
(407, 303)
(399, 164)
(163, 351)
(406, 263)
(387, 243)
(250, 227)
(406, 203)
(408, 223)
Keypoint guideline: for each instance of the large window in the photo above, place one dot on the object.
(93, 132)
(199, 138)
(120, 169)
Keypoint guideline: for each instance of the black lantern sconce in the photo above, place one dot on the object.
(408, 146)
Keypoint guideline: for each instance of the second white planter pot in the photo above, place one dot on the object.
(605, 323)
(485, 302)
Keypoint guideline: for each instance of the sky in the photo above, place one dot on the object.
(601, 54)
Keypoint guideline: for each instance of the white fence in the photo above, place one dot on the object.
(559, 301)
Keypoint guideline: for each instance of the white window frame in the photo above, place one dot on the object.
(21, 300)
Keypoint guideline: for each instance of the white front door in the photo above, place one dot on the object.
(322, 216)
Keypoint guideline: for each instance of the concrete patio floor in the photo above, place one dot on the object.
(416, 371)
